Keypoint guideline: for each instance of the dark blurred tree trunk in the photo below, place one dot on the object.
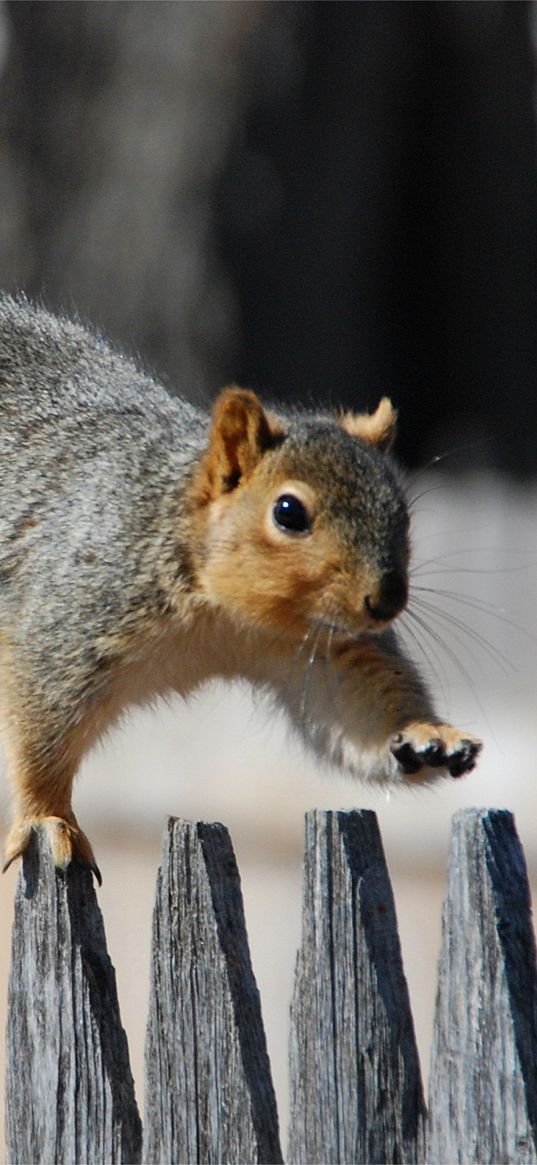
(401, 255)
(116, 121)
(328, 201)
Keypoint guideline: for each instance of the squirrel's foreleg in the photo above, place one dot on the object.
(361, 705)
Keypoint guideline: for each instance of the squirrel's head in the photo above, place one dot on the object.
(298, 520)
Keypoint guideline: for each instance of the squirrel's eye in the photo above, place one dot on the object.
(291, 515)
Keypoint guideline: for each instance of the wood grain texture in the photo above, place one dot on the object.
(69, 1087)
(208, 1093)
(483, 1080)
(356, 1092)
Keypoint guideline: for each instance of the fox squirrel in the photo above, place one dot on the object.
(146, 548)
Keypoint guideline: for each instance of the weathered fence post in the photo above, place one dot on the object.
(356, 1093)
(208, 1094)
(483, 1080)
(69, 1088)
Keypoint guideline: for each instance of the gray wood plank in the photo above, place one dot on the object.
(356, 1093)
(208, 1093)
(69, 1088)
(483, 1079)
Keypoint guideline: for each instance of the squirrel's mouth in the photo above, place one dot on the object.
(368, 610)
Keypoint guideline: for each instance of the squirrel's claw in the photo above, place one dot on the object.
(435, 746)
(67, 843)
(17, 841)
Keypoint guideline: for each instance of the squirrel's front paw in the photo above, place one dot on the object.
(435, 746)
(66, 840)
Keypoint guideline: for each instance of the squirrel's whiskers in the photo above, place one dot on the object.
(147, 548)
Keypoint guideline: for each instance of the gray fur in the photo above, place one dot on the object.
(103, 600)
(92, 451)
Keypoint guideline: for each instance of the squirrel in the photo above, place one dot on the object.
(147, 547)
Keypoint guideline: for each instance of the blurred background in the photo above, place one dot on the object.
(326, 202)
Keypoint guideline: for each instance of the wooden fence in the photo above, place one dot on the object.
(356, 1092)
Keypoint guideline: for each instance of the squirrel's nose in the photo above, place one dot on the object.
(389, 598)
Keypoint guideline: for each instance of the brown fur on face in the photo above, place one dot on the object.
(283, 581)
(141, 553)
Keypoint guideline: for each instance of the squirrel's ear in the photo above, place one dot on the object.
(241, 432)
(377, 429)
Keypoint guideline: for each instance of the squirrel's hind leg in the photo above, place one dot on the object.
(65, 838)
(43, 801)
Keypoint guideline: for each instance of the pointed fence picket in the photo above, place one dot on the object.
(356, 1092)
